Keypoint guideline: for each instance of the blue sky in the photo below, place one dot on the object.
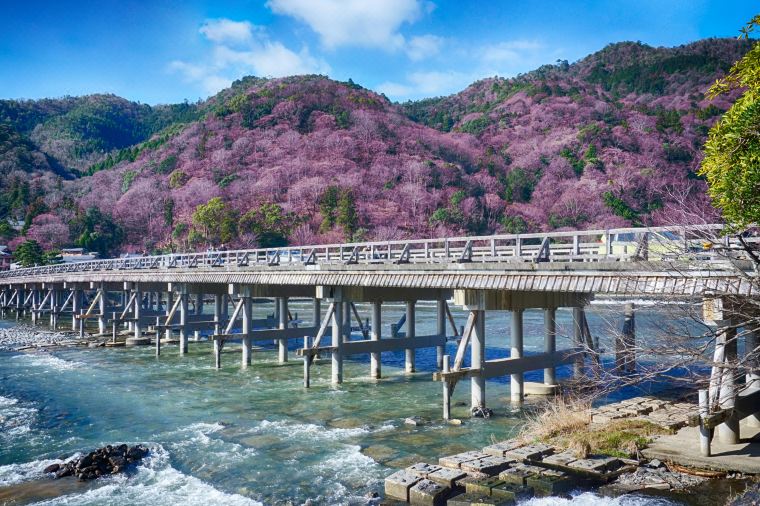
(168, 51)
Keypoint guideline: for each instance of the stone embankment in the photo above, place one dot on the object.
(22, 336)
(101, 462)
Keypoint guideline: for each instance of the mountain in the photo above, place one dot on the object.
(611, 140)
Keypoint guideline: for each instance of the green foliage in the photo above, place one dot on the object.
(270, 223)
(709, 112)
(167, 165)
(347, 217)
(95, 230)
(168, 212)
(518, 186)
(29, 253)
(52, 257)
(619, 206)
(591, 159)
(732, 151)
(476, 126)
(177, 179)
(676, 153)
(6, 230)
(577, 164)
(126, 180)
(669, 119)
(514, 224)
(216, 222)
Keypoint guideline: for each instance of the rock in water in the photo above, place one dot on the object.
(101, 462)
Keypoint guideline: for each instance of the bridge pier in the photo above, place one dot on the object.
(282, 344)
(102, 308)
(516, 380)
(578, 365)
(168, 333)
(218, 313)
(76, 306)
(751, 343)
(247, 310)
(477, 360)
(728, 432)
(625, 355)
(183, 313)
(410, 333)
(440, 329)
(550, 343)
(337, 339)
(376, 333)
(137, 311)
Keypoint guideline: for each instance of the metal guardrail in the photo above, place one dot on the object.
(621, 244)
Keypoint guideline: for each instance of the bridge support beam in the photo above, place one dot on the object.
(578, 366)
(625, 355)
(218, 313)
(410, 333)
(726, 348)
(550, 343)
(516, 379)
(76, 306)
(53, 306)
(282, 344)
(102, 308)
(138, 310)
(376, 325)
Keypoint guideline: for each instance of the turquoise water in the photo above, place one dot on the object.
(255, 435)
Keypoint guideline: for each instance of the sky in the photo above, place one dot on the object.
(169, 51)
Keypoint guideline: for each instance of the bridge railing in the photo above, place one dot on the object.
(622, 244)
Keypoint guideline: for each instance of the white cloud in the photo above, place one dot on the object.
(239, 49)
(426, 84)
(226, 31)
(354, 22)
(509, 52)
(423, 46)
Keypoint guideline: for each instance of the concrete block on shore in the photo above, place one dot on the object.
(398, 484)
(595, 466)
(445, 476)
(137, 341)
(512, 491)
(561, 460)
(482, 486)
(428, 493)
(455, 461)
(499, 449)
(550, 485)
(488, 465)
(422, 469)
(529, 453)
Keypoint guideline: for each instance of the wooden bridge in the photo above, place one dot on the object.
(151, 295)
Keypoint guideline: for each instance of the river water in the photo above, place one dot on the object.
(252, 436)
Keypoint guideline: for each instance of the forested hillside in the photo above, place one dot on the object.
(610, 140)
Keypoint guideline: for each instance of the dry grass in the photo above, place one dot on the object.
(561, 417)
(566, 423)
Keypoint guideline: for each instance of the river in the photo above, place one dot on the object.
(253, 436)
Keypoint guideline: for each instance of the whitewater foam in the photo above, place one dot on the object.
(591, 499)
(15, 420)
(309, 430)
(48, 362)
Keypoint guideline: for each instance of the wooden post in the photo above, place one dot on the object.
(516, 380)
(446, 390)
(282, 344)
(477, 359)
(337, 343)
(440, 320)
(246, 327)
(550, 343)
(410, 332)
(375, 335)
(704, 433)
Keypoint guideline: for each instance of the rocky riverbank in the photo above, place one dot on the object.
(101, 462)
(24, 336)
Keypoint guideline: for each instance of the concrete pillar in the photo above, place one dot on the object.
(183, 321)
(752, 342)
(516, 380)
(247, 310)
(346, 321)
(337, 343)
(375, 335)
(625, 357)
(76, 306)
(440, 324)
(410, 332)
(728, 432)
(53, 307)
(477, 360)
(446, 390)
(316, 312)
(169, 305)
(282, 344)
(218, 343)
(217, 314)
(103, 307)
(138, 310)
(550, 343)
(199, 303)
(578, 365)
